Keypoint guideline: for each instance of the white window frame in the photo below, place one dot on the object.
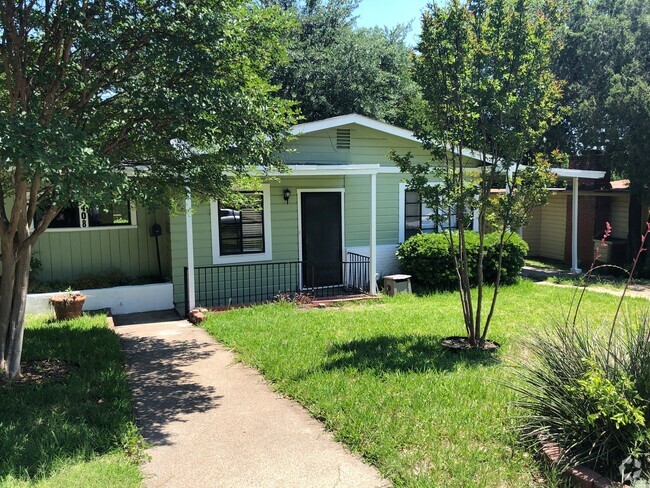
(403, 186)
(267, 255)
(132, 225)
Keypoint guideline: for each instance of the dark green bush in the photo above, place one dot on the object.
(428, 258)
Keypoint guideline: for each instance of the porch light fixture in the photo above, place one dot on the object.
(286, 194)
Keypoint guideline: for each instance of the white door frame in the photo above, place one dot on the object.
(300, 191)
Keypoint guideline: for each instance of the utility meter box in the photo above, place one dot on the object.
(399, 283)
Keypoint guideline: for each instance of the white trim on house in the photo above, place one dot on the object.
(401, 209)
(133, 214)
(267, 255)
(363, 121)
(299, 192)
(373, 235)
(320, 170)
(574, 228)
(189, 231)
(578, 173)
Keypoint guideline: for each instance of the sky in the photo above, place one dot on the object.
(389, 13)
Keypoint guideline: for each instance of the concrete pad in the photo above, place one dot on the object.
(213, 422)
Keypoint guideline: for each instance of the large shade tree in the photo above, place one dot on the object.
(606, 64)
(337, 68)
(107, 100)
(484, 67)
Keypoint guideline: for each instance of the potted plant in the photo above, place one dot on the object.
(68, 305)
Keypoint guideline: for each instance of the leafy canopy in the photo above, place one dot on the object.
(489, 96)
(338, 68)
(177, 92)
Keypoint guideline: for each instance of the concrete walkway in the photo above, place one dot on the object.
(539, 275)
(213, 422)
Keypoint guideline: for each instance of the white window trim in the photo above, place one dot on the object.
(402, 210)
(267, 255)
(132, 225)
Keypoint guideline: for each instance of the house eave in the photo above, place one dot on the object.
(363, 121)
(578, 173)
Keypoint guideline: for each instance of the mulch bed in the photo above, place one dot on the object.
(458, 343)
(43, 371)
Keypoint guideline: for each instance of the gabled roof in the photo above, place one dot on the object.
(363, 121)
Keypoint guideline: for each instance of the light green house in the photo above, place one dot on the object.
(325, 227)
(331, 223)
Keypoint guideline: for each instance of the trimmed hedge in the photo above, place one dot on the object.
(428, 258)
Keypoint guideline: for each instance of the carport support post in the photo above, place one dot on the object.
(373, 234)
(574, 228)
(189, 229)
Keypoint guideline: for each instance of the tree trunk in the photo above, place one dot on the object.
(13, 298)
(6, 294)
(16, 329)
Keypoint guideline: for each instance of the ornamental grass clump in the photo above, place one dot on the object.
(585, 389)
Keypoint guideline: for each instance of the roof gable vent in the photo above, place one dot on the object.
(342, 138)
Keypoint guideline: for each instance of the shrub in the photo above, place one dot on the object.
(428, 258)
(589, 393)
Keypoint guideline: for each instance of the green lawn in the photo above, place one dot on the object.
(74, 433)
(547, 264)
(376, 375)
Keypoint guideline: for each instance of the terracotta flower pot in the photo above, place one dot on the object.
(68, 305)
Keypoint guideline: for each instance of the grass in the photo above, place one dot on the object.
(377, 376)
(547, 264)
(76, 432)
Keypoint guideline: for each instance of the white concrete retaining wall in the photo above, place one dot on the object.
(120, 299)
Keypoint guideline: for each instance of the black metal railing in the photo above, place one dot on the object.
(242, 284)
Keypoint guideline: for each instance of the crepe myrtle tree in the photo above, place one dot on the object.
(100, 101)
(484, 70)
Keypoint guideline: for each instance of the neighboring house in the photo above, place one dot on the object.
(548, 232)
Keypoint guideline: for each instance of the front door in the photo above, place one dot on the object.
(322, 239)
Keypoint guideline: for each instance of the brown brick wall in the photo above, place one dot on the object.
(586, 225)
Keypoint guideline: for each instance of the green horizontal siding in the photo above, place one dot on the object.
(69, 254)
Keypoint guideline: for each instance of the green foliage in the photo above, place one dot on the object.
(141, 75)
(337, 68)
(429, 259)
(484, 68)
(606, 66)
(607, 71)
(83, 423)
(590, 394)
(136, 100)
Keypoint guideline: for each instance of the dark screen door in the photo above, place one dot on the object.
(321, 239)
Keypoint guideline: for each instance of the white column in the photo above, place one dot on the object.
(189, 229)
(373, 233)
(574, 229)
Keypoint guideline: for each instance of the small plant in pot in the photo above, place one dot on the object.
(68, 305)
